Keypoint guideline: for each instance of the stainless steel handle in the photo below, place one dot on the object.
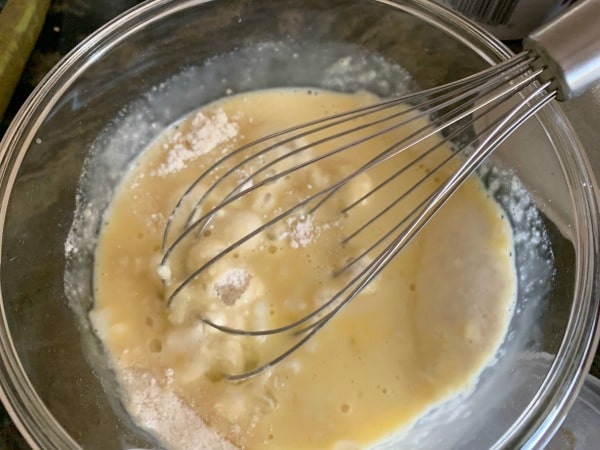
(569, 47)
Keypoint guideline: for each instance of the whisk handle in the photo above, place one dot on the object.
(569, 47)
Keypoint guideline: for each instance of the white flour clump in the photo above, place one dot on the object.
(302, 231)
(206, 133)
(231, 285)
(161, 411)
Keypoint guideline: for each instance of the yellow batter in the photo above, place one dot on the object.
(421, 331)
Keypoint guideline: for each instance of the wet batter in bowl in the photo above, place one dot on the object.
(421, 332)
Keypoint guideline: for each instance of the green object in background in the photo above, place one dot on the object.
(20, 24)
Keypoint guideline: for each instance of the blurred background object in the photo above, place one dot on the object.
(508, 19)
(20, 24)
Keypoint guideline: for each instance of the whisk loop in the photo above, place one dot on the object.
(464, 113)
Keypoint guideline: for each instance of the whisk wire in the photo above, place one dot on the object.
(500, 132)
(453, 110)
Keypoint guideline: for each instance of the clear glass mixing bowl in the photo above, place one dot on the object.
(116, 91)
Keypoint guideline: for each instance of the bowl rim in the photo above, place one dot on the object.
(550, 405)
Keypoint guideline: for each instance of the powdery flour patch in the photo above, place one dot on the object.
(301, 230)
(231, 285)
(160, 410)
(207, 132)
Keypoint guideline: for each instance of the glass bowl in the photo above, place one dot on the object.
(113, 94)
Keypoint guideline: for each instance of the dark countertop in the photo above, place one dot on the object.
(68, 23)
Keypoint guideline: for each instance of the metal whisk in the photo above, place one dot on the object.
(476, 114)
